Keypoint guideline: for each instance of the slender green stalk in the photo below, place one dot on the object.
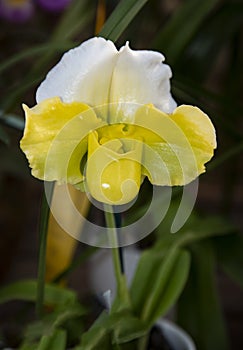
(111, 224)
(45, 211)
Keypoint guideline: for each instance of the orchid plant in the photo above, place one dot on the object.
(107, 131)
(104, 121)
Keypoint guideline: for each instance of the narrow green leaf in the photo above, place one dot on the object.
(128, 328)
(120, 18)
(55, 341)
(182, 26)
(12, 121)
(60, 317)
(160, 276)
(229, 251)
(26, 290)
(98, 336)
(199, 311)
(174, 287)
(145, 275)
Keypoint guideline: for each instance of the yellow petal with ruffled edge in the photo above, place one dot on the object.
(55, 139)
(187, 142)
(113, 172)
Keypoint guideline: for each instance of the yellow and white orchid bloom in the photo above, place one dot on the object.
(105, 119)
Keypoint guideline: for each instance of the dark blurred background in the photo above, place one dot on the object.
(202, 42)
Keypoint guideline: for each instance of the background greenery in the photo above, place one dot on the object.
(202, 42)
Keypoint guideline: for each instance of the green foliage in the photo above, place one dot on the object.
(121, 17)
(27, 290)
(200, 298)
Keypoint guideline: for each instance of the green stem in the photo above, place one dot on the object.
(111, 224)
(45, 211)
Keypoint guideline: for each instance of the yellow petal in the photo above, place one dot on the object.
(113, 169)
(187, 140)
(55, 139)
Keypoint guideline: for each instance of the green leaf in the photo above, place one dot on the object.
(120, 18)
(199, 311)
(182, 26)
(64, 316)
(4, 136)
(28, 347)
(127, 328)
(175, 285)
(161, 278)
(26, 290)
(55, 341)
(12, 121)
(98, 336)
(229, 252)
(113, 329)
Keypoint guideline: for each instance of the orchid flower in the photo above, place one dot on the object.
(16, 10)
(105, 119)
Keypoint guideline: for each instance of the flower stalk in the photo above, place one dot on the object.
(45, 212)
(116, 257)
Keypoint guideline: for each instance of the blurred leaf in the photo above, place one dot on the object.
(113, 329)
(120, 18)
(128, 328)
(199, 311)
(33, 51)
(12, 121)
(181, 27)
(174, 286)
(4, 136)
(54, 320)
(26, 290)
(55, 341)
(28, 347)
(229, 250)
(204, 49)
(160, 276)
